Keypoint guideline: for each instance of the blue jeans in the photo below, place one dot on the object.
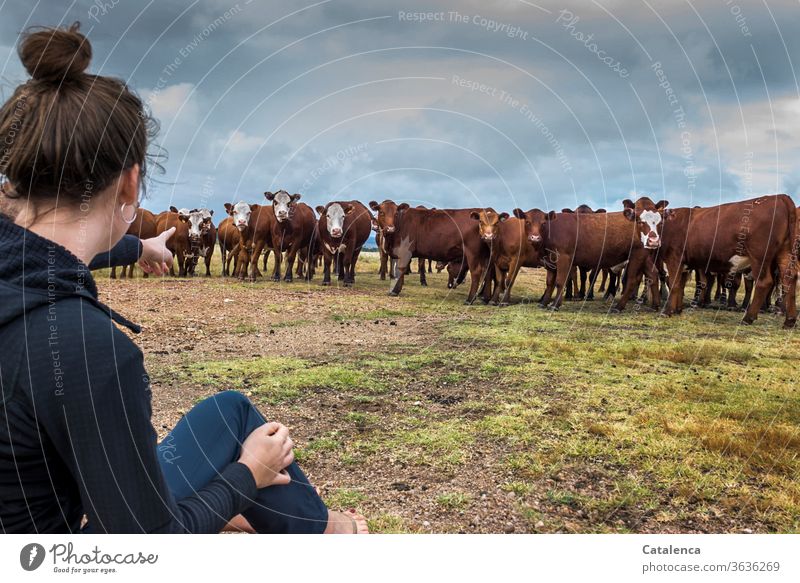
(209, 438)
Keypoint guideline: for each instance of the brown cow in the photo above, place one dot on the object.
(228, 236)
(342, 230)
(178, 243)
(755, 234)
(292, 231)
(144, 227)
(441, 235)
(254, 222)
(518, 243)
(573, 292)
(605, 240)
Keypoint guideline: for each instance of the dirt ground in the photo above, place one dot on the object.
(429, 416)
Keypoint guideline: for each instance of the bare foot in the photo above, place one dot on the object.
(349, 522)
(239, 524)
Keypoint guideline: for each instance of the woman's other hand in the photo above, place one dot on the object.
(266, 452)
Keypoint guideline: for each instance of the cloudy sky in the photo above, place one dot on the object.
(505, 103)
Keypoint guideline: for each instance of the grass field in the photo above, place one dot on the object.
(429, 416)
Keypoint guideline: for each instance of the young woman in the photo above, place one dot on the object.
(77, 449)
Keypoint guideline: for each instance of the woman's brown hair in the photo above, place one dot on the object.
(66, 133)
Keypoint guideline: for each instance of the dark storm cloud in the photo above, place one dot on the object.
(504, 103)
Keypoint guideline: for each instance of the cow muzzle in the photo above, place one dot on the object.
(388, 230)
(653, 241)
(336, 233)
(535, 238)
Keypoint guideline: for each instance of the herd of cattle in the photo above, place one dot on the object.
(754, 241)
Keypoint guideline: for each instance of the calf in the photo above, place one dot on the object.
(144, 227)
(442, 235)
(342, 230)
(292, 231)
(178, 243)
(605, 240)
(756, 234)
(254, 223)
(518, 242)
(228, 236)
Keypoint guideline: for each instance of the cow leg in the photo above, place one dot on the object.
(500, 275)
(326, 267)
(550, 284)
(762, 289)
(583, 273)
(476, 272)
(402, 264)
(276, 272)
(787, 269)
(422, 280)
(181, 264)
(633, 277)
(291, 256)
(603, 280)
(347, 266)
(255, 255)
(510, 278)
(564, 272)
(113, 273)
(674, 281)
(384, 262)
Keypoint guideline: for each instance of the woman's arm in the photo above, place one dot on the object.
(100, 424)
(152, 254)
(126, 252)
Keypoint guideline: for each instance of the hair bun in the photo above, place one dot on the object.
(55, 54)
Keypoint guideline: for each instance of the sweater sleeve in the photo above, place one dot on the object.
(100, 423)
(126, 251)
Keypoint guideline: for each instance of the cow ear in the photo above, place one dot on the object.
(374, 224)
(600, 211)
(519, 213)
(629, 213)
(253, 207)
(475, 216)
(229, 208)
(173, 209)
(348, 209)
(374, 205)
(402, 207)
(661, 205)
(320, 209)
(551, 216)
(211, 212)
(295, 197)
(503, 216)
(628, 204)
(269, 195)
(567, 211)
(669, 214)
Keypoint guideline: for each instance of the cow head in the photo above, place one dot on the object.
(388, 213)
(183, 213)
(199, 222)
(535, 224)
(240, 213)
(334, 217)
(649, 218)
(283, 204)
(488, 223)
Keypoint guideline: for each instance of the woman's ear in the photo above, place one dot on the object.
(128, 186)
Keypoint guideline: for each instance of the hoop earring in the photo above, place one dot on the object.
(122, 214)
